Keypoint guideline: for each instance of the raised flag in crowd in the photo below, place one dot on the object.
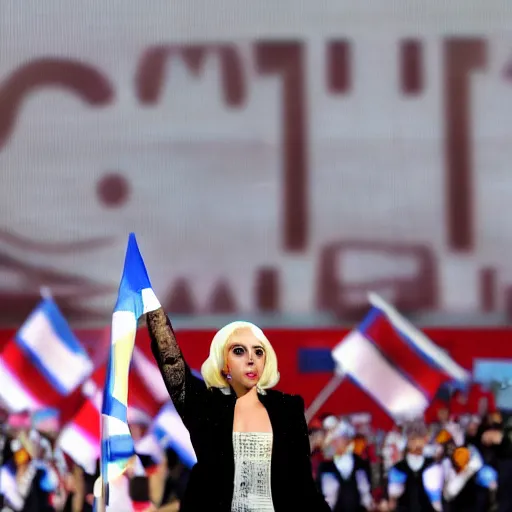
(80, 417)
(396, 363)
(135, 297)
(46, 350)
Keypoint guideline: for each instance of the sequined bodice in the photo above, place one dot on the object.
(253, 456)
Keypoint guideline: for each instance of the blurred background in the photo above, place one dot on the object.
(277, 161)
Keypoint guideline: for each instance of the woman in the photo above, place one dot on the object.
(251, 443)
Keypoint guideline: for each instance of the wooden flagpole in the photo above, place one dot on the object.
(324, 395)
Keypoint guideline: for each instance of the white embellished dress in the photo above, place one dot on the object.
(253, 457)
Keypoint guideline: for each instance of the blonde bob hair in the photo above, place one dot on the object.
(212, 369)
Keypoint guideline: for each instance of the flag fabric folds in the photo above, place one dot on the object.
(46, 349)
(169, 430)
(397, 364)
(135, 298)
(80, 417)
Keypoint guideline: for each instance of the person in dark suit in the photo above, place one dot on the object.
(251, 442)
(415, 483)
(494, 441)
(345, 480)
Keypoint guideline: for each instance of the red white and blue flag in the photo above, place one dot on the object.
(80, 415)
(44, 362)
(393, 361)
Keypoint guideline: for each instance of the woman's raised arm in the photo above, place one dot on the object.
(181, 384)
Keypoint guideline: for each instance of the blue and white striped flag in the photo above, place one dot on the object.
(170, 432)
(135, 298)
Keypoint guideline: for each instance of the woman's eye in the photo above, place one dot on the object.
(238, 351)
(260, 352)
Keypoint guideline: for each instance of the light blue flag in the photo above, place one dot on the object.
(135, 298)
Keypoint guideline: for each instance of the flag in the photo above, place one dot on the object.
(397, 364)
(80, 417)
(147, 374)
(46, 350)
(170, 432)
(147, 399)
(135, 297)
(146, 388)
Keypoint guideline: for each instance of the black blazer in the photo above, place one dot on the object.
(208, 415)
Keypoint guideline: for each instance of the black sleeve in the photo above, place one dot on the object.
(187, 392)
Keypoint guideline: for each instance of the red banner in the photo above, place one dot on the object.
(464, 345)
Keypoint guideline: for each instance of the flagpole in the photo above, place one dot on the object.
(323, 396)
(99, 498)
(99, 504)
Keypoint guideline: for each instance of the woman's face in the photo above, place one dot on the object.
(245, 360)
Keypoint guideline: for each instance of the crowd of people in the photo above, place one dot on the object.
(37, 476)
(253, 451)
(461, 464)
